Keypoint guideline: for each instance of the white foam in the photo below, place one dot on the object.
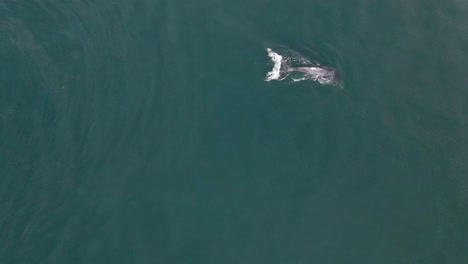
(274, 74)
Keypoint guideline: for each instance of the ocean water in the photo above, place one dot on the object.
(145, 132)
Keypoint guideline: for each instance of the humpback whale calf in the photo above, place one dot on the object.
(282, 69)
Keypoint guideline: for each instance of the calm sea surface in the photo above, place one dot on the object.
(144, 132)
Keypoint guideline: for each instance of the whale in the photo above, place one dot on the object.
(282, 69)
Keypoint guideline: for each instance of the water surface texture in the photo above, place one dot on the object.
(144, 132)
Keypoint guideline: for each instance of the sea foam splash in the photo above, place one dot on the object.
(274, 74)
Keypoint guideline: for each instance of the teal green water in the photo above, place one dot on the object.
(144, 132)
